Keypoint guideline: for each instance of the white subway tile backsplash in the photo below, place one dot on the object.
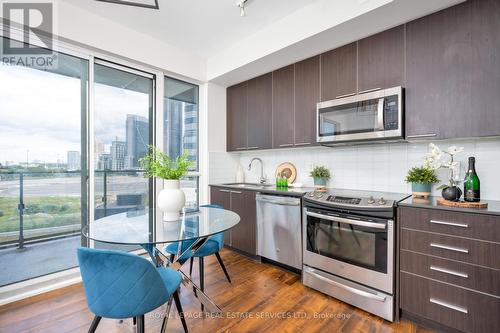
(380, 167)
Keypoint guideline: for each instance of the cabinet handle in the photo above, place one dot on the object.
(454, 224)
(448, 271)
(253, 148)
(227, 191)
(369, 90)
(303, 144)
(241, 148)
(451, 248)
(236, 192)
(430, 135)
(448, 305)
(287, 145)
(346, 95)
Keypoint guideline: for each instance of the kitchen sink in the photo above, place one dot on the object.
(250, 185)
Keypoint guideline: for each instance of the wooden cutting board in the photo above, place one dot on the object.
(462, 204)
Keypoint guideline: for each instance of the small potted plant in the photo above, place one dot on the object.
(320, 175)
(171, 198)
(421, 179)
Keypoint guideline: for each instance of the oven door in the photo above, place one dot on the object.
(359, 249)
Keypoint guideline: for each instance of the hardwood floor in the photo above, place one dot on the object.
(262, 298)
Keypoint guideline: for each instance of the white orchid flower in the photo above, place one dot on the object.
(455, 150)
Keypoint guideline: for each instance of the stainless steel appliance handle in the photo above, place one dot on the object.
(348, 288)
(448, 247)
(430, 135)
(236, 192)
(368, 90)
(380, 114)
(448, 271)
(286, 145)
(348, 221)
(224, 191)
(346, 95)
(282, 202)
(448, 305)
(252, 147)
(241, 148)
(454, 224)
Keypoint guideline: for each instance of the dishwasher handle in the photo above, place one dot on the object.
(276, 200)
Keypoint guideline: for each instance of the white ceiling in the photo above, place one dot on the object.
(204, 27)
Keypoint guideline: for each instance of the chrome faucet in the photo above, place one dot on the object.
(262, 179)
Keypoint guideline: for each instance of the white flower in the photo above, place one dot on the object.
(455, 150)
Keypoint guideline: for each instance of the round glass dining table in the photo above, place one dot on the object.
(140, 227)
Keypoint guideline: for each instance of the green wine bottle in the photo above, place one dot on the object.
(471, 184)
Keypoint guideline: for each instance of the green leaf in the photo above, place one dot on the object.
(422, 175)
(158, 164)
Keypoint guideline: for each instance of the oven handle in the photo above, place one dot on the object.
(348, 288)
(348, 221)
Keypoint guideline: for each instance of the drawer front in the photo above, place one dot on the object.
(448, 247)
(478, 226)
(456, 273)
(449, 305)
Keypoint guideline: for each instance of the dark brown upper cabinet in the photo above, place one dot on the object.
(259, 112)
(438, 74)
(338, 72)
(381, 60)
(236, 126)
(307, 95)
(283, 107)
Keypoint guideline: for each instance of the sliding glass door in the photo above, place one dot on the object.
(122, 117)
(42, 199)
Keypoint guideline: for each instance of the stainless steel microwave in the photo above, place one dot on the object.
(374, 115)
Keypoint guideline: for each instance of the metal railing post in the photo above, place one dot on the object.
(105, 192)
(20, 207)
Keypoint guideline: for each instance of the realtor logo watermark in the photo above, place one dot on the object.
(29, 28)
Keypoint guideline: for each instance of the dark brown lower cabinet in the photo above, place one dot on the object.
(243, 236)
(445, 279)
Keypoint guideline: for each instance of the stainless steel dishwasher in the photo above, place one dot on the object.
(279, 229)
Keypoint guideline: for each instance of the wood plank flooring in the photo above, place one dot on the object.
(262, 298)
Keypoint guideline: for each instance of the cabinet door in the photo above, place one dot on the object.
(485, 113)
(283, 107)
(244, 234)
(259, 117)
(438, 74)
(381, 60)
(237, 117)
(307, 95)
(338, 72)
(222, 197)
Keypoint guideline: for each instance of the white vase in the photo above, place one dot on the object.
(171, 200)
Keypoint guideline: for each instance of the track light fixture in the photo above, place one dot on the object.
(241, 6)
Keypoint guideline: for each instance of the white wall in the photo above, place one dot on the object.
(380, 167)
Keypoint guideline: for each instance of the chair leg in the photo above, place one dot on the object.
(172, 257)
(140, 324)
(95, 323)
(202, 278)
(221, 263)
(177, 301)
(191, 266)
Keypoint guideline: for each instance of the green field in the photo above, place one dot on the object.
(40, 212)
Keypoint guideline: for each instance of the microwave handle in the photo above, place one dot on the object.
(380, 114)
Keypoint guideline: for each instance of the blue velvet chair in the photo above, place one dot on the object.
(123, 285)
(213, 245)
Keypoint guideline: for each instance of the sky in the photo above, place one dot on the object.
(41, 111)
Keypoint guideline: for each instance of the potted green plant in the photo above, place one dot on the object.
(421, 179)
(320, 175)
(171, 198)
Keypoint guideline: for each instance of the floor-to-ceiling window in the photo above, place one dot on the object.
(40, 167)
(84, 119)
(180, 130)
(123, 107)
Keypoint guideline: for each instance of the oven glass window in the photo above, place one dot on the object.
(361, 246)
(358, 117)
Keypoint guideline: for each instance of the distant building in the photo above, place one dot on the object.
(137, 131)
(118, 152)
(73, 160)
(181, 124)
(104, 162)
(98, 151)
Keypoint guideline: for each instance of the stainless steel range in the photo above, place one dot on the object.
(348, 247)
